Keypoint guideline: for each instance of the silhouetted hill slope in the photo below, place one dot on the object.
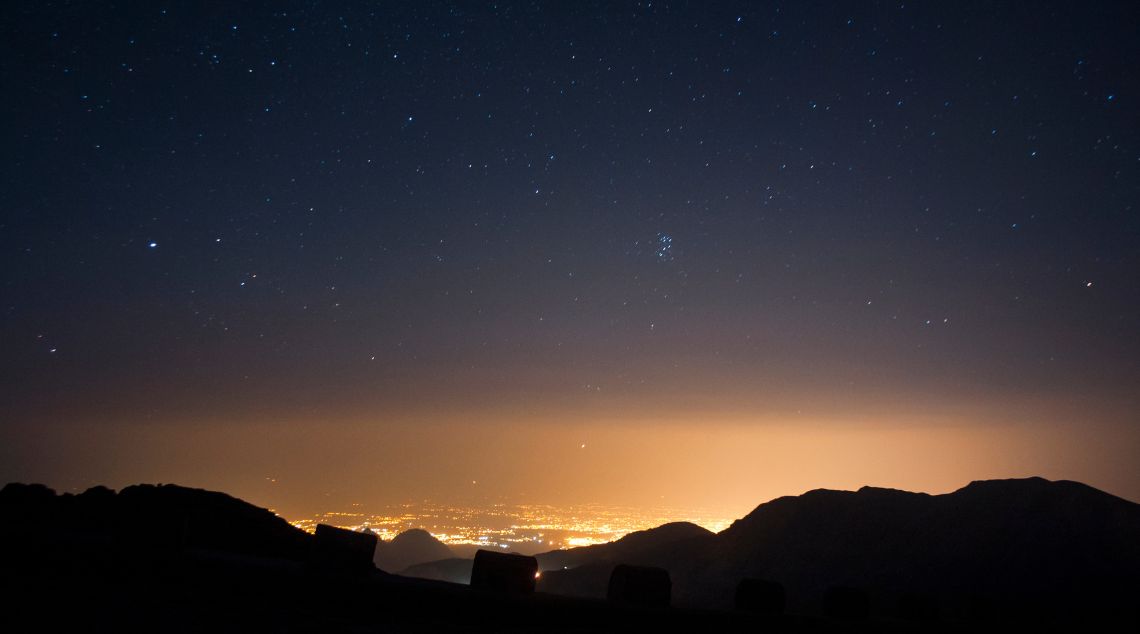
(157, 558)
(585, 572)
(1009, 544)
(411, 547)
(147, 516)
(632, 548)
(1002, 540)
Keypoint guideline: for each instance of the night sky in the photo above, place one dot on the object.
(697, 253)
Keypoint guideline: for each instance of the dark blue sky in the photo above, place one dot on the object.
(568, 209)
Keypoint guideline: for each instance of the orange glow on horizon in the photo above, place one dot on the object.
(727, 461)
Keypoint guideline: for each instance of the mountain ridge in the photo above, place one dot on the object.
(1025, 544)
(410, 548)
(992, 541)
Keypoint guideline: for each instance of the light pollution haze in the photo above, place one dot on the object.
(727, 466)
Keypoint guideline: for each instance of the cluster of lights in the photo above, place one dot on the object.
(533, 528)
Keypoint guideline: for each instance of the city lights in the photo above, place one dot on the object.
(529, 528)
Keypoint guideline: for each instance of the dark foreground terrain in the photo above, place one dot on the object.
(1009, 555)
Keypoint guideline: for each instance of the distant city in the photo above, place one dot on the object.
(524, 528)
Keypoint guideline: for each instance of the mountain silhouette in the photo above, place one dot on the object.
(143, 517)
(167, 558)
(585, 571)
(992, 547)
(411, 547)
(1009, 553)
(653, 543)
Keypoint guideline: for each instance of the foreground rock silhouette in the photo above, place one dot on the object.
(1013, 555)
(341, 550)
(505, 573)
